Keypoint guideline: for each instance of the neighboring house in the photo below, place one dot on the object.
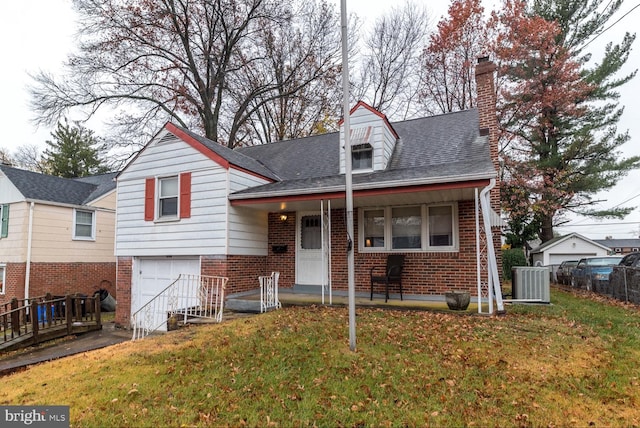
(424, 188)
(569, 247)
(621, 246)
(57, 234)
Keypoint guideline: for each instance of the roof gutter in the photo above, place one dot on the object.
(472, 179)
(62, 204)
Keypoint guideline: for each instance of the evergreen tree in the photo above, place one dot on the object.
(74, 152)
(558, 112)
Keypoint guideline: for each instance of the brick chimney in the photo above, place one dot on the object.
(488, 118)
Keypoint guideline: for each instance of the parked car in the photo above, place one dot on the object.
(630, 260)
(563, 274)
(625, 277)
(592, 273)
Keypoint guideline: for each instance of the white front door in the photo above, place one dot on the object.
(152, 275)
(309, 254)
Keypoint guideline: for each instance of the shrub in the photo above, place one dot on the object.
(511, 258)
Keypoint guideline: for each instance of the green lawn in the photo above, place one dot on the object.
(572, 363)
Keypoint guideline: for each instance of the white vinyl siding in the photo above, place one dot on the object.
(248, 228)
(213, 225)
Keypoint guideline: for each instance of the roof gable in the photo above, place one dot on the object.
(561, 239)
(221, 155)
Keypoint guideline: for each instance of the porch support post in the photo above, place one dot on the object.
(322, 252)
(478, 258)
(329, 252)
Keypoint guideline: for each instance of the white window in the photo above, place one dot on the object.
(3, 270)
(84, 225)
(409, 228)
(168, 197)
(373, 228)
(406, 228)
(362, 157)
(440, 226)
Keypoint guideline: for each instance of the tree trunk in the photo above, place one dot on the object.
(546, 228)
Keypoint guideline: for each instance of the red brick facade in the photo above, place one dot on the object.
(425, 272)
(59, 279)
(123, 285)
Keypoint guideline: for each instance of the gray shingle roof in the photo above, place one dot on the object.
(432, 149)
(74, 191)
(234, 157)
(619, 243)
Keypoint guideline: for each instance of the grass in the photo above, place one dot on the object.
(572, 363)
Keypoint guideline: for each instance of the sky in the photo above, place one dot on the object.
(39, 34)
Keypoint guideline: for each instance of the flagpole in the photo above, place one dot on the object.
(348, 178)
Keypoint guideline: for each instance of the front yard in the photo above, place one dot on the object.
(572, 363)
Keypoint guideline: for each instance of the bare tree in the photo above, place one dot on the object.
(449, 83)
(29, 157)
(390, 73)
(178, 60)
(5, 158)
(292, 90)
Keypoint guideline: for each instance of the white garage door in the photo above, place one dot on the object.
(152, 275)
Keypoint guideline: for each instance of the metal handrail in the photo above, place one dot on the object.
(188, 296)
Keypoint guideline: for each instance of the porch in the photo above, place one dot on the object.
(305, 296)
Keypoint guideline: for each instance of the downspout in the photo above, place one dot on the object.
(494, 277)
(29, 239)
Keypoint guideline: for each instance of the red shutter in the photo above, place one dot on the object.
(185, 195)
(149, 199)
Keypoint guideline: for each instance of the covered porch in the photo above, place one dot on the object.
(307, 241)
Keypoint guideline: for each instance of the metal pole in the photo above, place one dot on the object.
(348, 178)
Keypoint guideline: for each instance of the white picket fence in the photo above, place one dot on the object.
(188, 296)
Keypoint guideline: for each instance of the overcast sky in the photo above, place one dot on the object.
(38, 34)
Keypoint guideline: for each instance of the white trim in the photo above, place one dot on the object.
(76, 237)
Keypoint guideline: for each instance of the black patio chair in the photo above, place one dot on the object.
(392, 274)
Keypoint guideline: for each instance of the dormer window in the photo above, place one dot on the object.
(372, 140)
(362, 157)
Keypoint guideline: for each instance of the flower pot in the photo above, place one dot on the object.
(458, 300)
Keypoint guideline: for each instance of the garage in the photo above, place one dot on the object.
(152, 275)
(568, 247)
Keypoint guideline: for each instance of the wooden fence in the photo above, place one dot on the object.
(27, 322)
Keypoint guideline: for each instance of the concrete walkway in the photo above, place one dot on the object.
(21, 359)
